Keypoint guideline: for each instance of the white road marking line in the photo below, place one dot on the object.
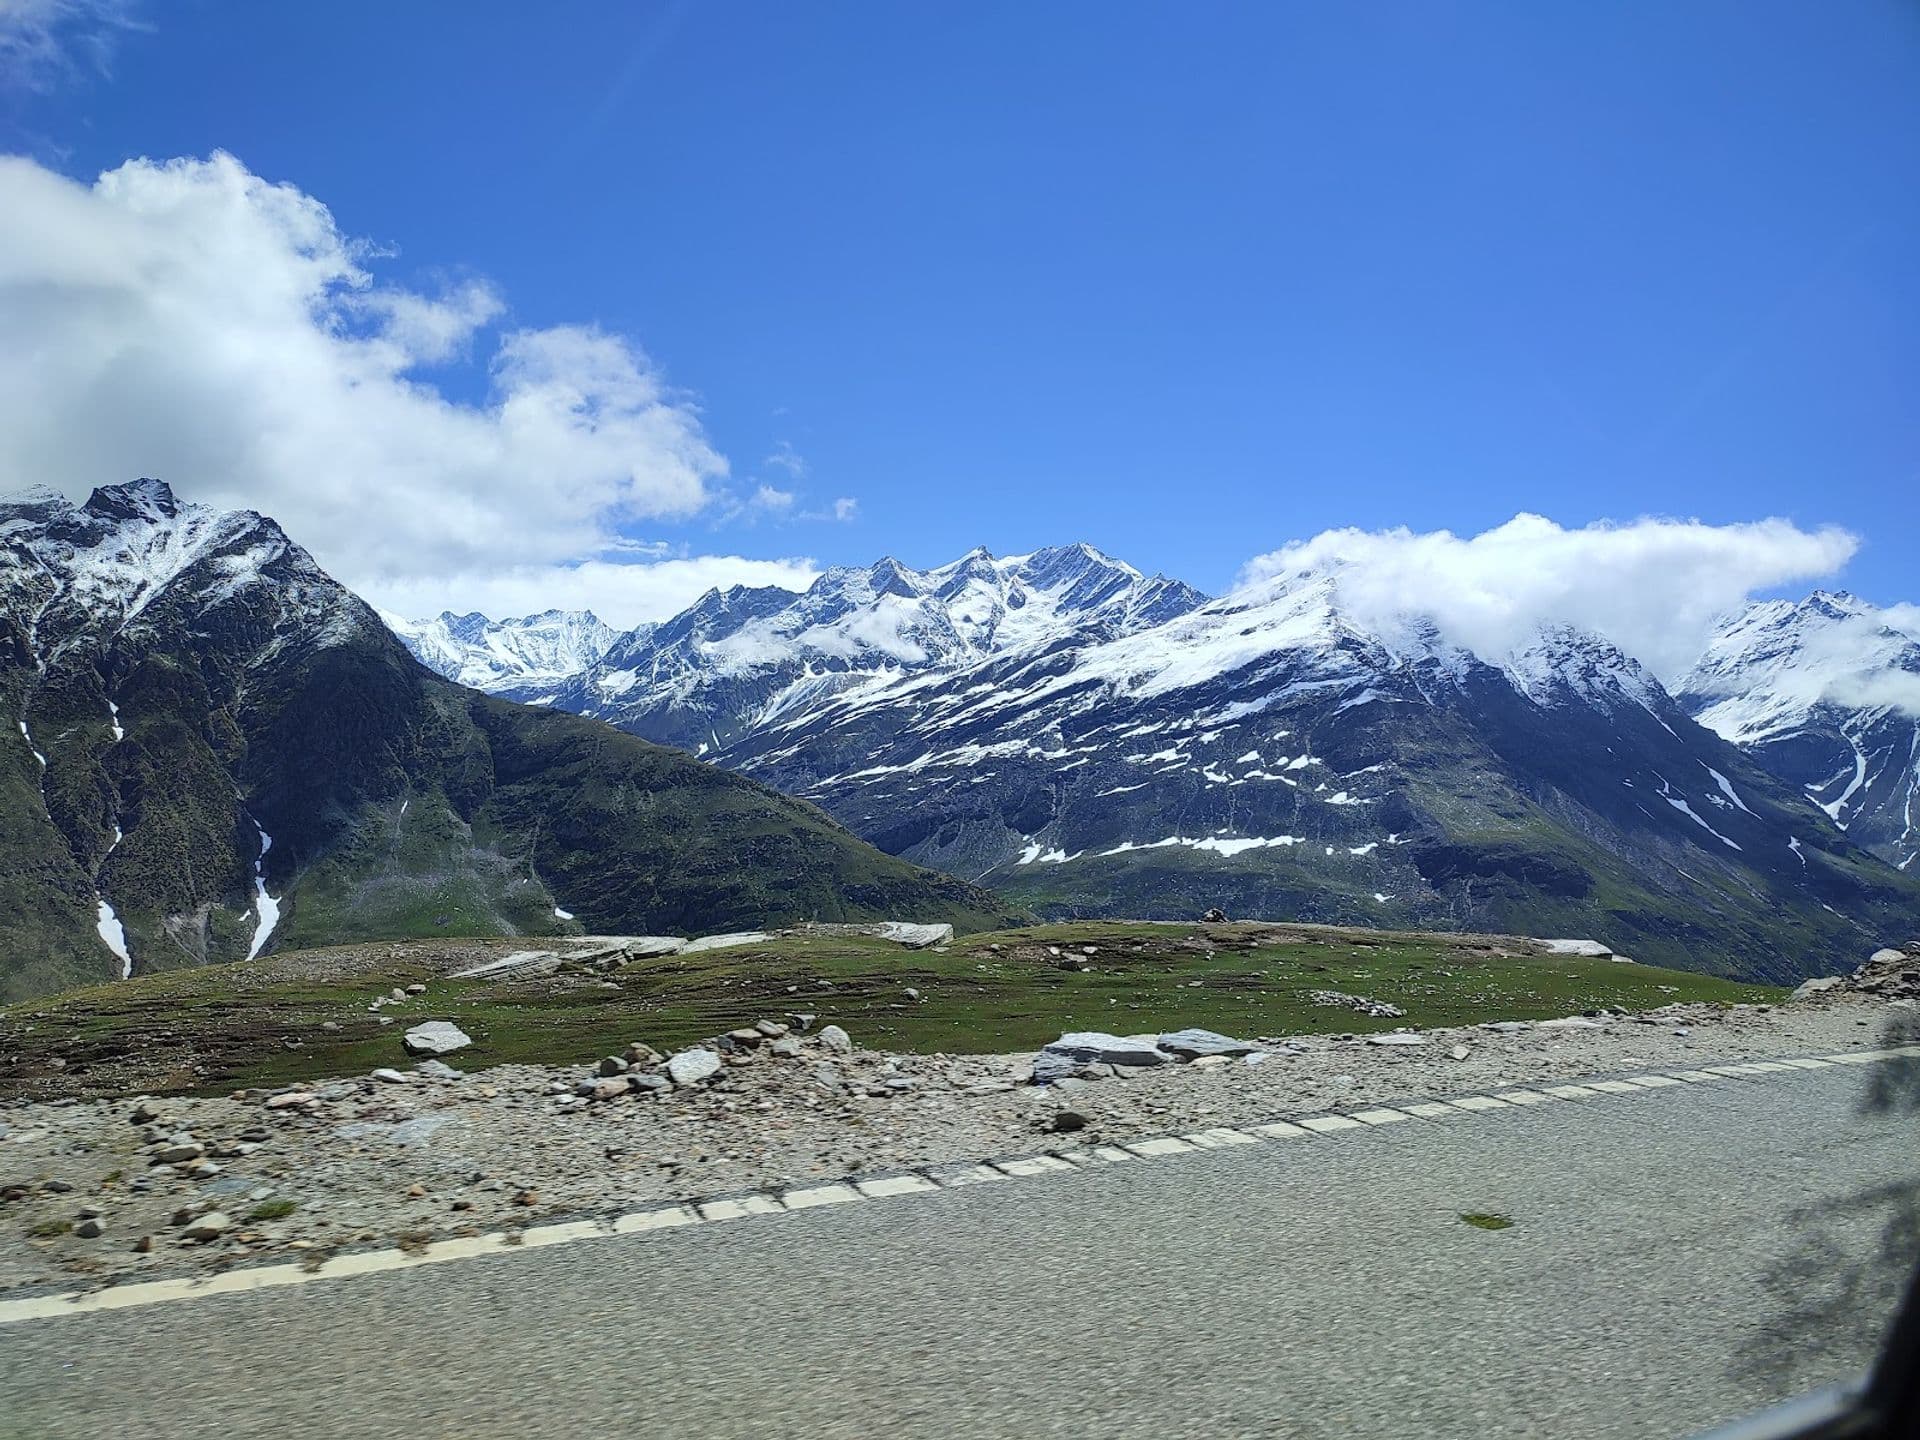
(1167, 1145)
(1215, 1139)
(739, 1207)
(1031, 1165)
(817, 1195)
(375, 1262)
(895, 1185)
(1326, 1123)
(1277, 1130)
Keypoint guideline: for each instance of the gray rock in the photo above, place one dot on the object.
(179, 1154)
(1089, 1047)
(772, 1029)
(1807, 989)
(520, 964)
(435, 1037)
(608, 1089)
(145, 1111)
(1397, 1037)
(650, 1082)
(1507, 1027)
(801, 1019)
(690, 1067)
(90, 1229)
(1208, 1062)
(723, 942)
(640, 1053)
(332, 1027)
(1064, 1122)
(438, 1070)
(1192, 1044)
(833, 1038)
(614, 1065)
(210, 1226)
(416, 988)
(915, 937)
(1459, 1052)
(910, 993)
(1573, 1022)
(785, 1048)
(390, 1077)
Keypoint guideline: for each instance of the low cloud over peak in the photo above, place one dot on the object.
(1652, 586)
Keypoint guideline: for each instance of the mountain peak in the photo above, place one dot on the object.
(142, 499)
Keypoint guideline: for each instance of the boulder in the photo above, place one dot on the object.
(833, 1038)
(691, 1067)
(1592, 949)
(1063, 1058)
(1192, 1044)
(435, 1037)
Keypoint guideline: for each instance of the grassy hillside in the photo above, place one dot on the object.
(259, 1022)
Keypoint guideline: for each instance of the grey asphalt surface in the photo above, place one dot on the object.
(1677, 1257)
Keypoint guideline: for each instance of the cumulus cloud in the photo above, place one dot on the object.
(623, 595)
(1653, 586)
(190, 320)
(46, 42)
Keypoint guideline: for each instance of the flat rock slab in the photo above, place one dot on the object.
(436, 1037)
(520, 962)
(1397, 1037)
(1090, 1047)
(1590, 948)
(723, 942)
(1192, 1044)
(914, 937)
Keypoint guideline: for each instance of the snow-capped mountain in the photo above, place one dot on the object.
(1825, 693)
(737, 660)
(1089, 741)
(524, 659)
(211, 747)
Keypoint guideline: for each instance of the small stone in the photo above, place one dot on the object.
(1209, 1062)
(690, 1067)
(397, 994)
(438, 1070)
(415, 1191)
(90, 1229)
(747, 1037)
(1397, 1037)
(416, 988)
(331, 1027)
(649, 1082)
(833, 1038)
(785, 1048)
(615, 1065)
(463, 1205)
(291, 1100)
(642, 1054)
(57, 1187)
(179, 1154)
(1458, 1052)
(610, 1089)
(145, 1111)
(144, 1245)
(390, 1077)
(527, 1197)
(772, 1029)
(801, 1019)
(1066, 1121)
(910, 993)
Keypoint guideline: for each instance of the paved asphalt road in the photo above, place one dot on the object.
(1671, 1256)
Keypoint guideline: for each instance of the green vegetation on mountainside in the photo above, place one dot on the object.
(259, 1023)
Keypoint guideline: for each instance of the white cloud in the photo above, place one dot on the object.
(1652, 586)
(189, 320)
(623, 595)
(45, 42)
(785, 457)
(843, 511)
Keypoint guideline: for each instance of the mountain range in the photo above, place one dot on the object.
(216, 749)
(1089, 740)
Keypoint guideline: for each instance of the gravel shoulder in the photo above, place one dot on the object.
(429, 1152)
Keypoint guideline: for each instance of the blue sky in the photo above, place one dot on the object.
(1186, 281)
